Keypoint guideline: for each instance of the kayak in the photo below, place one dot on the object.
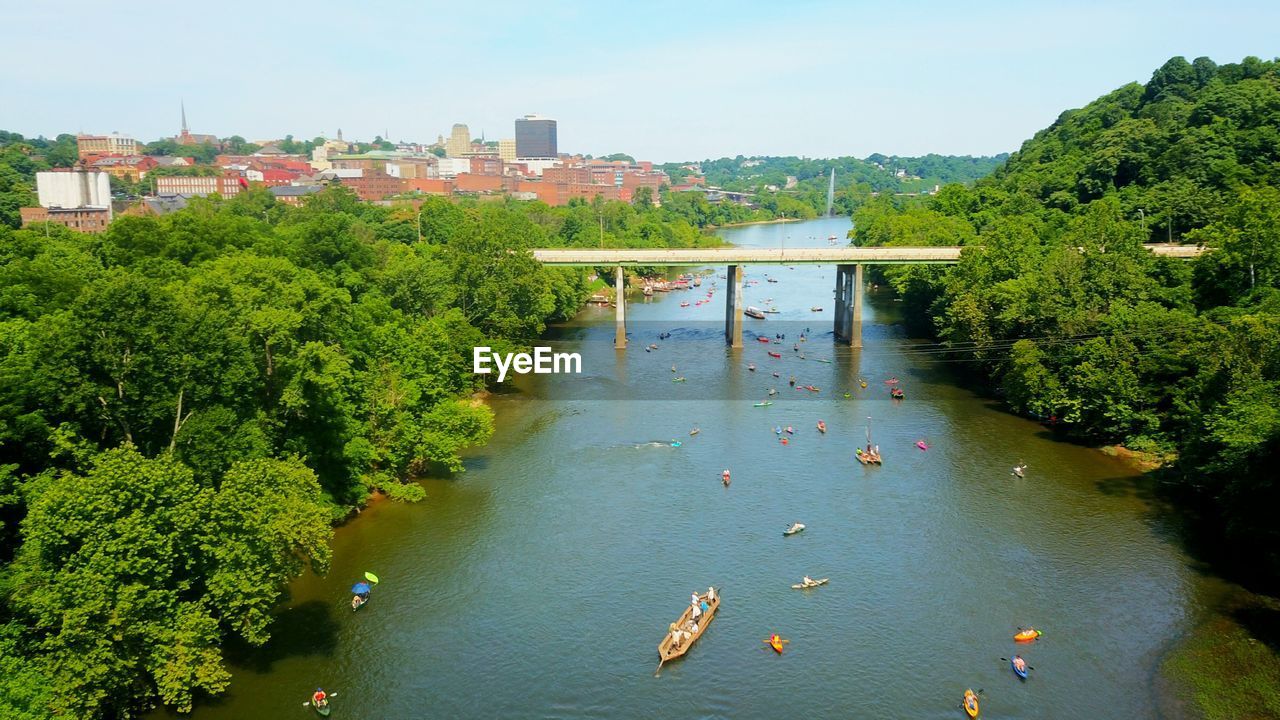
(814, 584)
(679, 379)
(775, 642)
(774, 354)
(971, 703)
(822, 427)
(1027, 635)
(920, 444)
(763, 340)
(766, 403)
(797, 527)
(321, 710)
(1022, 673)
(695, 431)
(675, 443)
(358, 602)
(751, 367)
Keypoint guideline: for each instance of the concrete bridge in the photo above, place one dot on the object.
(847, 259)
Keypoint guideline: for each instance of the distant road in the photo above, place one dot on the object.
(843, 255)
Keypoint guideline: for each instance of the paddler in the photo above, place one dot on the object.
(319, 698)
(1019, 664)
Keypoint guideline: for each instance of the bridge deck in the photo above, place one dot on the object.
(843, 255)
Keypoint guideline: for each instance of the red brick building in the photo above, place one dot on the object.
(89, 220)
(224, 185)
(372, 188)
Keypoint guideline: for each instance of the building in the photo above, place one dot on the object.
(294, 194)
(507, 149)
(449, 167)
(132, 168)
(535, 137)
(73, 189)
(224, 185)
(85, 219)
(372, 187)
(113, 144)
(459, 142)
(186, 137)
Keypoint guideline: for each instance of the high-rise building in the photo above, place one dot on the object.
(535, 137)
(459, 142)
(507, 150)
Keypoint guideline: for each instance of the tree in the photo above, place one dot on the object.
(133, 570)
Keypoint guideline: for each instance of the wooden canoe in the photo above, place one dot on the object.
(666, 652)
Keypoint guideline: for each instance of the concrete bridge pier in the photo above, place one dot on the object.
(733, 307)
(620, 329)
(848, 315)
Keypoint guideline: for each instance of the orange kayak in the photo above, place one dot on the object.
(1027, 635)
(775, 642)
(971, 703)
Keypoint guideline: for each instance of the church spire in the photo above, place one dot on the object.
(183, 105)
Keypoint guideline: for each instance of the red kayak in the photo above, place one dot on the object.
(775, 355)
(763, 339)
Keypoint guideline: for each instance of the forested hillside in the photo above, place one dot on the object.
(187, 403)
(1073, 322)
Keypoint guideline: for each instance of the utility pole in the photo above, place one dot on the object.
(418, 215)
(1142, 218)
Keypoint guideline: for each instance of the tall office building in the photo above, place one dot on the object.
(459, 142)
(535, 137)
(507, 149)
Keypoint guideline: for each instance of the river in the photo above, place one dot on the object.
(539, 582)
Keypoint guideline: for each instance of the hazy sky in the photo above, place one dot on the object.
(659, 80)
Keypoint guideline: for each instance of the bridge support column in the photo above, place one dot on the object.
(620, 329)
(733, 307)
(848, 316)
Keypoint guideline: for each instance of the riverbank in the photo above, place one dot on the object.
(775, 221)
(1228, 667)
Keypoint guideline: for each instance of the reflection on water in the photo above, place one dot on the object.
(539, 583)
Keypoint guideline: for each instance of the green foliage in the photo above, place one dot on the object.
(1074, 322)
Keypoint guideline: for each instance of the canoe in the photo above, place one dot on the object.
(322, 710)
(971, 703)
(816, 583)
(798, 527)
(1027, 635)
(666, 651)
(1020, 673)
(766, 403)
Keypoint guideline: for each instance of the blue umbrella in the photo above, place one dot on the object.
(360, 588)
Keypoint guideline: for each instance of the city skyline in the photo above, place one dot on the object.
(813, 79)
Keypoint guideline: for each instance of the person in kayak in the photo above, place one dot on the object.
(1019, 664)
(319, 698)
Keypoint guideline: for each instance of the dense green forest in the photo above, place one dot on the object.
(856, 179)
(1074, 322)
(188, 403)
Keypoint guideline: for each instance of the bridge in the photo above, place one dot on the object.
(847, 259)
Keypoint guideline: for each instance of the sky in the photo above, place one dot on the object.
(659, 80)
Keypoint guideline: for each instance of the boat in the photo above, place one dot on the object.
(667, 650)
(1027, 635)
(753, 311)
(678, 379)
(811, 388)
(695, 431)
(921, 444)
(648, 291)
(822, 427)
(862, 384)
(358, 602)
(1019, 470)
(1020, 671)
(684, 304)
(773, 354)
(971, 703)
(871, 455)
(766, 403)
(831, 237)
(772, 280)
(897, 394)
(810, 584)
(790, 430)
(321, 710)
(775, 642)
(764, 340)
(724, 478)
(773, 391)
(772, 310)
(891, 381)
(795, 527)
(847, 395)
(751, 367)
(675, 443)
(815, 308)
(776, 375)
